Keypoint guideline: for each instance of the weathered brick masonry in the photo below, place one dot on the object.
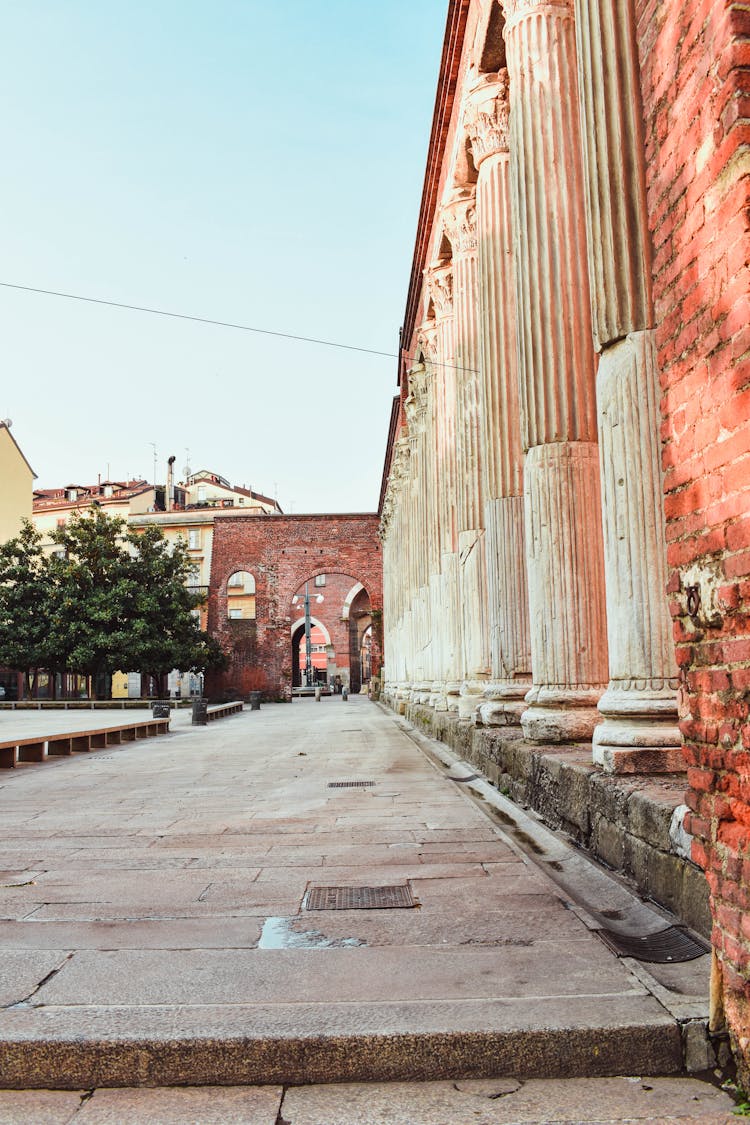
(282, 553)
(695, 68)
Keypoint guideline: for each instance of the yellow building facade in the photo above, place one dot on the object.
(16, 485)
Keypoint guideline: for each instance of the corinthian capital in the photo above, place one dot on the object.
(487, 116)
(427, 341)
(460, 222)
(440, 284)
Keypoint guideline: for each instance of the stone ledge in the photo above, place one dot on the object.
(623, 821)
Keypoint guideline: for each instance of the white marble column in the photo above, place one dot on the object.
(439, 279)
(557, 369)
(487, 122)
(640, 729)
(459, 216)
(427, 351)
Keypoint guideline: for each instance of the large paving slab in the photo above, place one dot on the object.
(616, 1101)
(154, 925)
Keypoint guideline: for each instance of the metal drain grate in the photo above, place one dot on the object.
(673, 944)
(359, 898)
(350, 784)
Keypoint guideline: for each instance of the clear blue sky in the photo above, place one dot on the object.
(234, 159)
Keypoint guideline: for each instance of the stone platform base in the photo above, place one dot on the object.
(630, 823)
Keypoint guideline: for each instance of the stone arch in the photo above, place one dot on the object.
(350, 598)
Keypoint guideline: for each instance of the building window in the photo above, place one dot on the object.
(194, 538)
(241, 596)
(320, 579)
(201, 494)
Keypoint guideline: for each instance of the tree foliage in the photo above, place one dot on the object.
(26, 603)
(105, 600)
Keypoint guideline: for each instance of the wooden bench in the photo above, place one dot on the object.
(17, 750)
(221, 710)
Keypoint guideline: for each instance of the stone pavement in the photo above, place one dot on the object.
(576, 1101)
(156, 932)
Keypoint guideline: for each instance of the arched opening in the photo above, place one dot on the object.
(241, 596)
(320, 645)
(336, 608)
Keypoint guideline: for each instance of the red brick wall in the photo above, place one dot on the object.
(695, 61)
(281, 552)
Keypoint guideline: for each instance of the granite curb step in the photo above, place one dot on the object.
(230, 1060)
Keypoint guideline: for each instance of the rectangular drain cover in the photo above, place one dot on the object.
(671, 945)
(350, 784)
(359, 898)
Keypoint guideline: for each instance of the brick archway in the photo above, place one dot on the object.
(282, 552)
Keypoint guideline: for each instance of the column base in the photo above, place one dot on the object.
(438, 699)
(452, 693)
(420, 692)
(503, 703)
(561, 716)
(472, 693)
(639, 733)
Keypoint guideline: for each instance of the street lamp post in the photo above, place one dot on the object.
(309, 680)
(308, 640)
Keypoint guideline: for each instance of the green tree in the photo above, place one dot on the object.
(124, 601)
(164, 633)
(27, 598)
(92, 621)
(107, 600)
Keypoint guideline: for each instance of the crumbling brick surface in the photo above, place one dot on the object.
(282, 553)
(695, 67)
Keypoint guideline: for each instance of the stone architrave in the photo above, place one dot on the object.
(640, 705)
(459, 218)
(557, 366)
(487, 122)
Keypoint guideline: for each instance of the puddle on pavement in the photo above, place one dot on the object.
(277, 933)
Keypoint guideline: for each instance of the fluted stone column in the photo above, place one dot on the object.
(416, 407)
(427, 349)
(439, 280)
(487, 123)
(557, 368)
(459, 216)
(640, 706)
(393, 527)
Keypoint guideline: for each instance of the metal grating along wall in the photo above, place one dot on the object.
(671, 945)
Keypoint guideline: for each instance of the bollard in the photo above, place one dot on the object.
(255, 700)
(317, 695)
(345, 694)
(200, 712)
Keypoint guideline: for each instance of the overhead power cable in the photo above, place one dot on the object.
(216, 323)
